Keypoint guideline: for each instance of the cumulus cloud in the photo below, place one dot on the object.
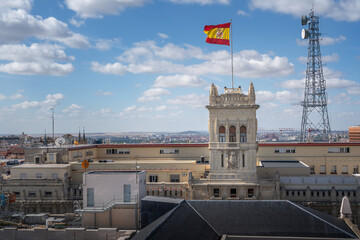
(73, 110)
(344, 10)
(76, 23)
(282, 96)
(201, 2)
(325, 59)
(163, 35)
(355, 90)
(27, 105)
(153, 94)
(242, 13)
(103, 93)
(103, 44)
(179, 81)
(324, 41)
(16, 24)
(96, 9)
(42, 59)
(147, 57)
(333, 80)
(16, 96)
(51, 100)
(192, 100)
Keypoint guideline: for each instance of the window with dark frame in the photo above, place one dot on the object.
(216, 192)
(174, 177)
(233, 192)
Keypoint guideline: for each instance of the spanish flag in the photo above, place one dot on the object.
(218, 34)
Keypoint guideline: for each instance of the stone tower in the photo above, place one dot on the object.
(232, 129)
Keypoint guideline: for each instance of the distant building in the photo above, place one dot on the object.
(354, 134)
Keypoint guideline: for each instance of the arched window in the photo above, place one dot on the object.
(232, 134)
(222, 134)
(243, 134)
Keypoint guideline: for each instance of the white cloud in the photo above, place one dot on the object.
(293, 84)
(192, 100)
(16, 96)
(179, 81)
(16, 24)
(73, 108)
(103, 44)
(130, 108)
(153, 94)
(355, 90)
(102, 93)
(96, 9)
(201, 2)
(269, 106)
(14, 4)
(344, 10)
(163, 35)
(324, 41)
(331, 41)
(242, 13)
(147, 57)
(2, 96)
(333, 80)
(27, 105)
(263, 96)
(161, 108)
(76, 23)
(325, 59)
(282, 96)
(39, 59)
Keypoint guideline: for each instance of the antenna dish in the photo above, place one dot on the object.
(304, 34)
(304, 20)
(60, 141)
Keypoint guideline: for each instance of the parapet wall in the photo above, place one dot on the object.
(61, 234)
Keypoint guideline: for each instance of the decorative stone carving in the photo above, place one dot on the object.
(232, 161)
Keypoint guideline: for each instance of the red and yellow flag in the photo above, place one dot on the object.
(218, 34)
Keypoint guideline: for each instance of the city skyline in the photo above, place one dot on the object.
(144, 66)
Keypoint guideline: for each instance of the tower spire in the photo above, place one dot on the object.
(315, 117)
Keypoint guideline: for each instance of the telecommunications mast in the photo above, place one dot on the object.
(315, 119)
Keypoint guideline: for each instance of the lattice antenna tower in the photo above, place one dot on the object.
(315, 119)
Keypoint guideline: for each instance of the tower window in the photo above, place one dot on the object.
(243, 134)
(233, 192)
(216, 192)
(232, 134)
(222, 134)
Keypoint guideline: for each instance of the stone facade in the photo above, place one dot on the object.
(232, 147)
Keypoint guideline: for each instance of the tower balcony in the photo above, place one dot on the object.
(232, 145)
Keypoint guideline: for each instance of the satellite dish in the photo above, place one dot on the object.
(304, 34)
(60, 141)
(304, 20)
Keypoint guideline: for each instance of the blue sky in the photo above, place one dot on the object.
(142, 65)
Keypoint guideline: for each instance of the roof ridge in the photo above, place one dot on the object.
(202, 218)
(319, 218)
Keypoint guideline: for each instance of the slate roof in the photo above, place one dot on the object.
(270, 218)
(182, 222)
(200, 219)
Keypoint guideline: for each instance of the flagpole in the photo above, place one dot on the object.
(232, 62)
